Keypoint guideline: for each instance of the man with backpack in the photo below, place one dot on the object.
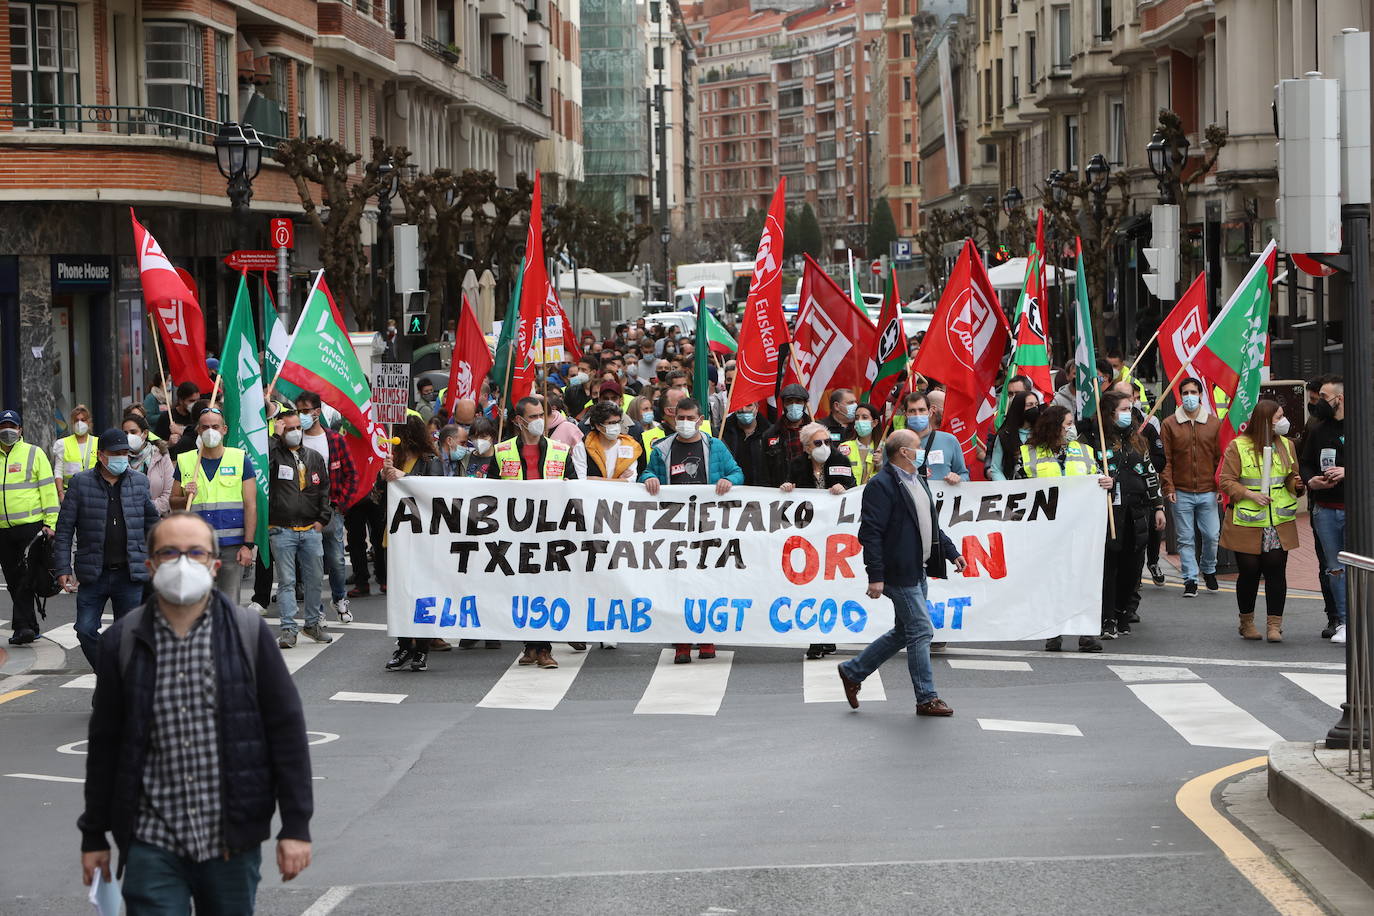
(157, 774)
(28, 507)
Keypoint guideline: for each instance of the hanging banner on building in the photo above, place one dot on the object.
(590, 560)
(952, 169)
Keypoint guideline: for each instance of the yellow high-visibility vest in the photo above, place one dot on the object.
(28, 492)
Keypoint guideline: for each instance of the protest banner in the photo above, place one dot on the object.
(593, 560)
(390, 392)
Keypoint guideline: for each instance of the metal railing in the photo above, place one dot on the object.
(41, 119)
(1359, 672)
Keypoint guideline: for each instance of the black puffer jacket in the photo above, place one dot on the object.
(263, 753)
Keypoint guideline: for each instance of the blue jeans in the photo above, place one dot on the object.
(298, 552)
(334, 556)
(1330, 527)
(115, 586)
(158, 882)
(1197, 513)
(912, 631)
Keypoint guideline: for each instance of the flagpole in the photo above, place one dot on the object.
(319, 275)
(1143, 350)
(1102, 440)
(157, 353)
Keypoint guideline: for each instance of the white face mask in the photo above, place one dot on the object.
(135, 442)
(612, 430)
(821, 453)
(686, 428)
(183, 581)
(292, 438)
(1282, 426)
(482, 446)
(535, 427)
(81, 427)
(210, 438)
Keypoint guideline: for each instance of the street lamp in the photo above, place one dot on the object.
(1157, 154)
(238, 153)
(1055, 184)
(1012, 200)
(390, 181)
(1098, 173)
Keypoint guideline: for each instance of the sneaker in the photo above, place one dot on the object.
(528, 657)
(257, 609)
(317, 633)
(609, 645)
(23, 637)
(1088, 644)
(1054, 644)
(937, 647)
(814, 652)
(360, 591)
(1123, 627)
(341, 608)
(1190, 588)
(828, 648)
(1210, 578)
(544, 659)
(682, 657)
(419, 661)
(1108, 630)
(1156, 575)
(1338, 637)
(706, 650)
(286, 640)
(398, 660)
(1133, 617)
(578, 646)
(1330, 630)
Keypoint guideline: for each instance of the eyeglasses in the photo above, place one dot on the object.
(205, 410)
(172, 554)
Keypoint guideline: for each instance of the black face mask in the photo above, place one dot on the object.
(1031, 414)
(1322, 410)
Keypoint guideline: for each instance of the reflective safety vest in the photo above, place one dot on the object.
(1079, 461)
(73, 462)
(28, 492)
(510, 468)
(1283, 505)
(652, 435)
(862, 465)
(1221, 401)
(218, 501)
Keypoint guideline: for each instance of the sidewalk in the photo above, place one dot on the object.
(1310, 785)
(1303, 572)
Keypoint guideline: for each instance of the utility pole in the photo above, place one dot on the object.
(660, 61)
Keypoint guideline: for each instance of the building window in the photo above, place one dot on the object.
(906, 173)
(302, 80)
(1063, 37)
(223, 78)
(173, 53)
(1071, 142)
(906, 212)
(1032, 64)
(1117, 140)
(906, 44)
(906, 89)
(1015, 76)
(43, 63)
(1104, 19)
(325, 94)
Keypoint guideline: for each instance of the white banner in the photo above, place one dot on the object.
(594, 560)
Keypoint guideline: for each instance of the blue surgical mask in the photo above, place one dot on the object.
(1023, 433)
(795, 412)
(1123, 420)
(747, 417)
(307, 420)
(646, 418)
(458, 453)
(1191, 402)
(863, 427)
(117, 464)
(580, 378)
(920, 422)
(850, 410)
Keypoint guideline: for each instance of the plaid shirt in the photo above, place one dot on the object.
(180, 809)
(343, 473)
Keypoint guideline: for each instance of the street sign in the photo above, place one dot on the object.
(283, 233)
(901, 251)
(1309, 265)
(877, 267)
(251, 260)
(390, 391)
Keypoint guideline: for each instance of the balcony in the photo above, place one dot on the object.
(121, 120)
(495, 82)
(449, 53)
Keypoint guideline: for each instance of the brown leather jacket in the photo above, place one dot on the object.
(1192, 451)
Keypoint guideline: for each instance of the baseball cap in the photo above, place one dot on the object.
(10, 416)
(610, 386)
(114, 440)
(211, 364)
(795, 393)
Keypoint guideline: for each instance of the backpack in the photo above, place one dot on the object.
(40, 574)
(245, 620)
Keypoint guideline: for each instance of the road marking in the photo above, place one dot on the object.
(14, 695)
(532, 687)
(45, 778)
(1204, 717)
(72, 748)
(326, 902)
(65, 636)
(1329, 688)
(1146, 659)
(15, 681)
(41, 654)
(1195, 801)
(821, 684)
(82, 682)
(324, 738)
(1149, 673)
(686, 690)
(1035, 728)
(348, 696)
(304, 651)
(983, 664)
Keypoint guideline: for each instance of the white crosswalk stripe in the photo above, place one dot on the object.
(349, 696)
(821, 684)
(532, 687)
(982, 664)
(1329, 688)
(1034, 728)
(1135, 674)
(65, 636)
(696, 689)
(1205, 718)
(305, 651)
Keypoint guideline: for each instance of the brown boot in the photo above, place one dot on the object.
(544, 659)
(529, 656)
(1247, 627)
(1274, 629)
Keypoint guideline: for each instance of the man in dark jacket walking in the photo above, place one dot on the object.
(903, 544)
(188, 816)
(108, 510)
(298, 510)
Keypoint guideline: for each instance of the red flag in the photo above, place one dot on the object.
(1182, 330)
(889, 359)
(554, 309)
(964, 347)
(471, 360)
(765, 326)
(174, 307)
(535, 293)
(833, 342)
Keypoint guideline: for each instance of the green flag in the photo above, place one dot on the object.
(1232, 352)
(717, 338)
(505, 343)
(1084, 354)
(274, 354)
(244, 408)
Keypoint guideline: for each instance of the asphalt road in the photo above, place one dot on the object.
(717, 788)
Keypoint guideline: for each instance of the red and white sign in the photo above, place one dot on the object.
(877, 268)
(283, 233)
(1309, 265)
(251, 260)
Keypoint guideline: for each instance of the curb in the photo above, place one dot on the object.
(1323, 804)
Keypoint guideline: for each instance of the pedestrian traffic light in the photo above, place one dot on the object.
(416, 324)
(416, 303)
(1163, 256)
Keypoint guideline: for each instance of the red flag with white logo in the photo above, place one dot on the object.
(1182, 330)
(833, 343)
(471, 360)
(764, 328)
(174, 308)
(535, 292)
